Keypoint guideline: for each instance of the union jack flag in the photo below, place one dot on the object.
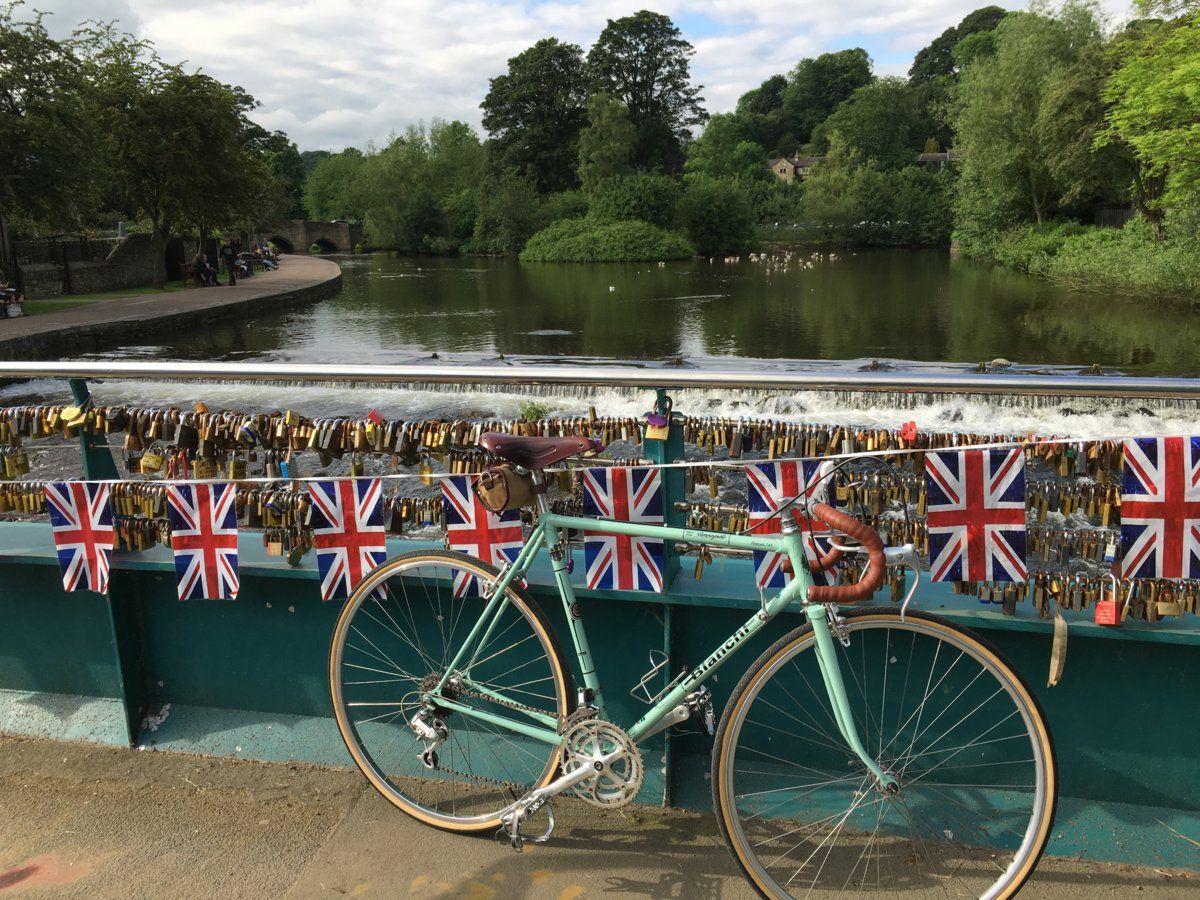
(616, 561)
(204, 537)
(976, 514)
(348, 535)
(471, 527)
(768, 487)
(1160, 508)
(83, 533)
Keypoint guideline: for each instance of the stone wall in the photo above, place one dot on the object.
(42, 280)
(129, 265)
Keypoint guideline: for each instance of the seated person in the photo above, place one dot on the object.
(203, 271)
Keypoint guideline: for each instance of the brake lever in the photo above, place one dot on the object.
(905, 555)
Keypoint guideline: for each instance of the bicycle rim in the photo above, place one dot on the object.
(396, 637)
(942, 712)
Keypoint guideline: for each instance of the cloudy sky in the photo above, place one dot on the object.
(333, 73)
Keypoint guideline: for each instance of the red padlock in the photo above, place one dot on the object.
(1108, 612)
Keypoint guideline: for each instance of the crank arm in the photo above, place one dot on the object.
(562, 783)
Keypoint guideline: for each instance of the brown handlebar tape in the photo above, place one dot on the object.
(876, 566)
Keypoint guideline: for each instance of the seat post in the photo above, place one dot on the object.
(539, 491)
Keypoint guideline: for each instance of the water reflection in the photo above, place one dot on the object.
(903, 304)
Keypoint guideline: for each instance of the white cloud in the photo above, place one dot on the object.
(333, 73)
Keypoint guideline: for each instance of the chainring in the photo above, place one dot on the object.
(618, 782)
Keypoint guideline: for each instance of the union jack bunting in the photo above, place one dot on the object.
(1160, 508)
(976, 514)
(768, 487)
(83, 533)
(471, 527)
(348, 535)
(615, 561)
(204, 537)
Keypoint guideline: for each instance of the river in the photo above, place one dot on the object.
(902, 305)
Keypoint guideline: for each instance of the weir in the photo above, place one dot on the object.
(248, 678)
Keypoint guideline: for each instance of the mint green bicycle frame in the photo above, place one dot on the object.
(547, 535)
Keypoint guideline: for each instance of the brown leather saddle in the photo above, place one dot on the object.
(533, 452)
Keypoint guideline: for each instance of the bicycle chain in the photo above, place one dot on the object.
(517, 790)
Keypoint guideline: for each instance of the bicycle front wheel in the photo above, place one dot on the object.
(396, 638)
(941, 711)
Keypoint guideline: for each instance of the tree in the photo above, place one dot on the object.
(534, 112)
(648, 196)
(283, 161)
(310, 158)
(716, 214)
(1155, 112)
(46, 146)
(1006, 139)
(760, 112)
(607, 145)
(937, 59)
(643, 61)
(817, 86)
(879, 121)
(723, 151)
(178, 146)
(334, 188)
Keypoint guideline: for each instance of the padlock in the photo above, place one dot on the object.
(1108, 612)
(426, 469)
(152, 460)
(657, 427)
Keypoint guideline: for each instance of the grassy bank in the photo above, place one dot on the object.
(70, 301)
(1127, 260)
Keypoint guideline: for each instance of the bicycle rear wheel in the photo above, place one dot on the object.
(941, 711)
(395, 638)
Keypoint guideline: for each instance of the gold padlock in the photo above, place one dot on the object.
(153, 460)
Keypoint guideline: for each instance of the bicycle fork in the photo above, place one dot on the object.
(824, 619)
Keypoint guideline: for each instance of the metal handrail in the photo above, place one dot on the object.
(765, 378)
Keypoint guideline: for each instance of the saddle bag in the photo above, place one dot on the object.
(502, 488)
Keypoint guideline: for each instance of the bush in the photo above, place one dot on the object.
(1127, 260)
(717, 216)
(589, 240)
(646, 196)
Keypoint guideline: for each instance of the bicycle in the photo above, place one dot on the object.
(878, 749)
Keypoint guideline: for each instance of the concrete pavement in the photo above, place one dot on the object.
(79, 820)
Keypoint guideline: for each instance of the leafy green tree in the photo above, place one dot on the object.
(510, 211)
(647, 196)
(643, 61)
(534, 112)
(607, 144)
(334, 189)
(761, 116)
(717, 215)
(1155, 113)
(178, 147)
(1006, 138)
(937, 59)
(723, 151)
(879, 120)
(46, 147)
(310, 158)
(284, 162)
(817, 86)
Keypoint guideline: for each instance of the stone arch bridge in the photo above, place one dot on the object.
(297, 235)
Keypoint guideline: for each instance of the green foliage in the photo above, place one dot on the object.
(717, 215)
(817, 86)
(938, 59)
(334, 188)
(586, 240)
(643, 61)
(847, 200)
(879, 121)
(1129, 260)
(415, 189)
(1155, 113)
(1008, 120)
(725, 150)
(637, 195)
(45, 148)
(607, 144)
(531, 410)
(285, 164)
(510, 210)
(534, 112)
